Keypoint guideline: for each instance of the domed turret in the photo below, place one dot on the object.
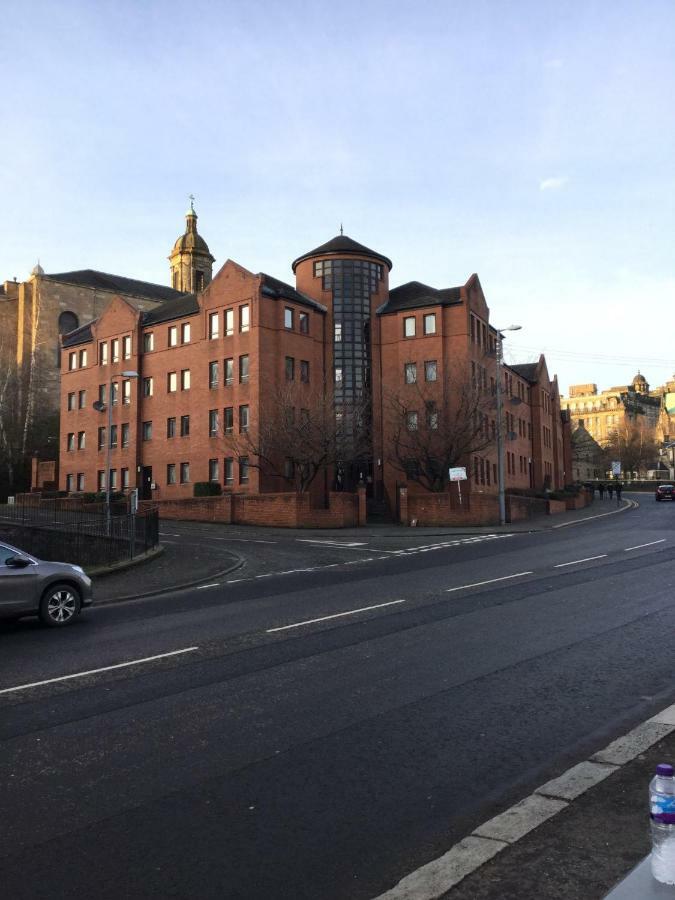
(191, 260)
(37, 269)
(639, 384)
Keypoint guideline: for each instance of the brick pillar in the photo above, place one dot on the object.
(361, 493)
(403, 504)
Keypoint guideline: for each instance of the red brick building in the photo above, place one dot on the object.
(205, 365)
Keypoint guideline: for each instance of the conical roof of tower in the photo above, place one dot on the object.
(341, 245)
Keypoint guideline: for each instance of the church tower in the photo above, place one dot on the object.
(191, 261)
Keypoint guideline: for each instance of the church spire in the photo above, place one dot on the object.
(191, 260)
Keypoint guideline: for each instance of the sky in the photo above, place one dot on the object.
(530, 142)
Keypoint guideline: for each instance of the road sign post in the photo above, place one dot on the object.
(458, 474)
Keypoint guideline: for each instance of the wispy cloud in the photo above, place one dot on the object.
(552, 184)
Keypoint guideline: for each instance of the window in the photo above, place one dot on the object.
(171, 382)
(213, 423)
(410, 373)
(115, 350)
(430, 370)
(229, 371)
(146, 431)
(71, 401)
(214, 325)
(70, 441)
(228, 419)
(229, 470)
(171, 473)
(430, 323)
(173, 335)
(82, 399)
(126, 347)
(303, 322)
(126, 392)
(338, 374)
(338, 332)
(80, 440)
(409, 326)
(83, 358)
(185, 380)
(72, 361)
(184, 426)
(432, 416)
(244, 318)
(184, 473)
(243, 369)
(290, 368)
(304, 371)
(101, 438)
(243, 470)
(411, 421)
(125, 434)
(200, 281)
(103, 353)
(171, 427)
(148, 386)
(243, 419)
(113, 479)
(213, 374)
(113, 437)
(213, 470)
(125, 479)
(69, 483)
(288, 318)
(185, 333)
(115, 388)
(229, 322)
(148, 342)
(100, 480)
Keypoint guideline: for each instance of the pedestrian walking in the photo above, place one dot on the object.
(619, 488)
(610, 489)
(601, 490)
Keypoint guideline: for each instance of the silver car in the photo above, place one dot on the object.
(54, 591)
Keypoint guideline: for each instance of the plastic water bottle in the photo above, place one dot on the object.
(662, 813)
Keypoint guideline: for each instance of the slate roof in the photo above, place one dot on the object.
(528, 371)
(414, 294)
(81, 335)
(343, 245)
(116, 284)
(181, 305)
(272, 287)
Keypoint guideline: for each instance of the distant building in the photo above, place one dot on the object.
(602, 412)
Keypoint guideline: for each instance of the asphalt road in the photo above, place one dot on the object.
(277, 756)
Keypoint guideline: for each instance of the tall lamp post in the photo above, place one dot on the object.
(500, 426)
(100, 407)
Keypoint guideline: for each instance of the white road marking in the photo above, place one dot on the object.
(332, 543)
(133, 662)
(169, 534)
(491, 581)
(575, 562)
(202, 587)
(351, 612)
(650, 544)
(234, 580)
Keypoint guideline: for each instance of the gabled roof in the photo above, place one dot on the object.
(341, 245)
(81, 335)
(181, 305)
(414, 294)
(117, 284)
(528, 371)
(272, 287)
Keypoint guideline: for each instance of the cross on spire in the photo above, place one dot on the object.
(191, 198)
(341, 229)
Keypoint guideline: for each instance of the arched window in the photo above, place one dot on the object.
(68, 321)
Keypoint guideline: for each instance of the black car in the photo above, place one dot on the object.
(665, 492)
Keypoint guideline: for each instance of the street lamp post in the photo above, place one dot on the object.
(500, 427)
(108, 441)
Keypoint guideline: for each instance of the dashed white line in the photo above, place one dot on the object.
(639, 546)
(575, 562)
(133, 662)
(490, 581)
(351, 612)
(202, 587)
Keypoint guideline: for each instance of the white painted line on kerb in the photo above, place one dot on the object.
(133, 662)
(575, 562)
(639, 546)
(491, 581)
(202, 587)
(351, 612)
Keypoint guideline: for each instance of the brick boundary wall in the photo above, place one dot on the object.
(444, 509)
(280, 510)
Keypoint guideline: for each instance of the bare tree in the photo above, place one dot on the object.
(634, 445)
(433, 427)
(300, 434)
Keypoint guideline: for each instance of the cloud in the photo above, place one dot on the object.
(552, 184)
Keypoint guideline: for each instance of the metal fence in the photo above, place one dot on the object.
(76, 535)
